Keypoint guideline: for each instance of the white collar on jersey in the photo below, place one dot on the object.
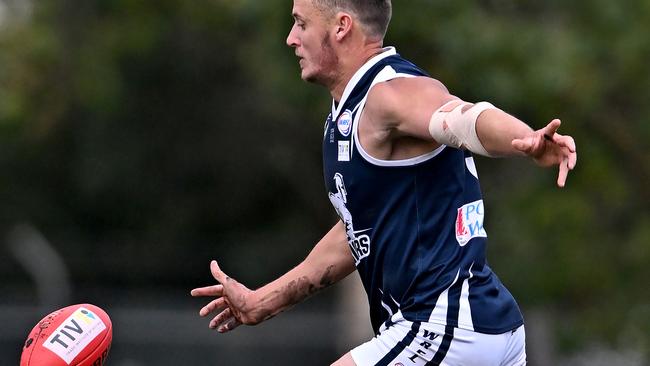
(388, 51)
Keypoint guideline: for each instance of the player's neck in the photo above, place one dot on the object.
(348, 66)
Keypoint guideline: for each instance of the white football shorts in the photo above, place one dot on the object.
(406, 343)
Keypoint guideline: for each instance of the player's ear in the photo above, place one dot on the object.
(343, 25)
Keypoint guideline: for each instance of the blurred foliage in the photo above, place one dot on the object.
(151, 137)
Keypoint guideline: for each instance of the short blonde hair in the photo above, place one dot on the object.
(374, 15)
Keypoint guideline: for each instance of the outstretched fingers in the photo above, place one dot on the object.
(214, 290)
(569, 156)
(533, 144)
(564, 172)
(569, 160)
(227, 318)
(569, 146)
(547, 148)
(230, 325)
(214, 305)
(564, 141)
(225, 321)
(573, 160)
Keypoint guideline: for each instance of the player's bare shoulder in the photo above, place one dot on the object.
(406, 103)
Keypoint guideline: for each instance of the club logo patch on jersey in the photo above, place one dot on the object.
(358, 241)
(469, 222)
(344, 123)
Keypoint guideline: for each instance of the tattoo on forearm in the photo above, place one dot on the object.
(293, 293)
(327, 279)
(301, 288)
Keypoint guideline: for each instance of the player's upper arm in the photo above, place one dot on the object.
(405, 105)
(332, 252)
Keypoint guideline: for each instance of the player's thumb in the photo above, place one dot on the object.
(521, 145)
(217, 273)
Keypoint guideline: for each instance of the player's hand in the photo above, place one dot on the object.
(233, 303)
(548, 148)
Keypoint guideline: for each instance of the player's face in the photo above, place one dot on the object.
(309, 37)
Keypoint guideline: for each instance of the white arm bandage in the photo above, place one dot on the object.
(454, 124)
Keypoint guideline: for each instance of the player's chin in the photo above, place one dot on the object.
(309, 77)
(305, 75)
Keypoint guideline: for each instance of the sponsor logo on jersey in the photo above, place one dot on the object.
(74, 334)
(344, 123)
(469, 222)
(359, 242)
(344, 151)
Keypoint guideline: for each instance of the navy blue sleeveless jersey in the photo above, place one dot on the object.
(414, 226)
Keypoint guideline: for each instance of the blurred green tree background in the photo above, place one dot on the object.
(153, 136)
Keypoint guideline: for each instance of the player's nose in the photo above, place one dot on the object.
(292, 40)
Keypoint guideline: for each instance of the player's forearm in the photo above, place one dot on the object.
(496, 129)
(329, 262)
(291, 289)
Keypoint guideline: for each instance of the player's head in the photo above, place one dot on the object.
(322, 27)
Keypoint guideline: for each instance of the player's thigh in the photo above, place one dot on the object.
(515, 349)
(393, 346)
(346, 360)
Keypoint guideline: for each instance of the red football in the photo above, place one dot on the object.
(77, 335)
